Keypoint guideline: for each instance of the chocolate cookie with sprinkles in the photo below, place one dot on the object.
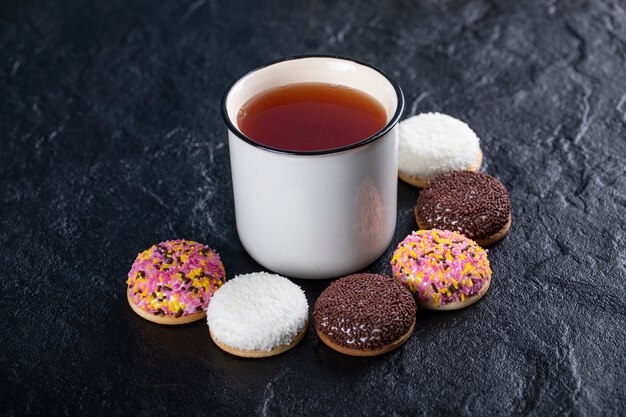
(472, 203)
(364, 315)
(174, 281)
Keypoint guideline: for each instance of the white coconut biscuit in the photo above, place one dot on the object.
(258, 315)
(431, 144)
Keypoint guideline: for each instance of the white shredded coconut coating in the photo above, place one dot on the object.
(258, 311)
(431, 144)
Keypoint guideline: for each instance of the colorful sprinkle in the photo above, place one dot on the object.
(175, 278)
(440, 266)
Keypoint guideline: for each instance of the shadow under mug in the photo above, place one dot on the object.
(319, 214)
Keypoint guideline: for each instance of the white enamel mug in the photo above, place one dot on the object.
(315, 214)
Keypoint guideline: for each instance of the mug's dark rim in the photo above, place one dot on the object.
(392, 122)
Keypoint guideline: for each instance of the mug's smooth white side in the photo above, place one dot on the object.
(315, 216)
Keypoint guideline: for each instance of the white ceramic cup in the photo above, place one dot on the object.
(319, 214)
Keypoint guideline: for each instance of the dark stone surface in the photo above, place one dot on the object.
(111, 140)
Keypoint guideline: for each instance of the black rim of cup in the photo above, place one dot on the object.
(392, 122)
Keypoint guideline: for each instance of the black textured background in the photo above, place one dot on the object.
(112, 140)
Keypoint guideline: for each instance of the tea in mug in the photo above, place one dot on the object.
(311, 117)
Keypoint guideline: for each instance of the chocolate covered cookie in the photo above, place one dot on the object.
(364, 315)
(471, 203)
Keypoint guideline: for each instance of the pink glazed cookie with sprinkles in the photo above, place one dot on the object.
(444, 270)
(173, 282)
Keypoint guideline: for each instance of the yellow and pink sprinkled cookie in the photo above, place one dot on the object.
(443, 269)
(173, 282)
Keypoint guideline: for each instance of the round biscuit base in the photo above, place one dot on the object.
(482, 242)
(421, 182)
(167, 320)
(456, 305)
(260, 353)
(365, 352)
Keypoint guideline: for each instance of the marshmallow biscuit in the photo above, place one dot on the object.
(364, 315)
(173, 282)
(431, 144)
(443, 269)
(258, 315)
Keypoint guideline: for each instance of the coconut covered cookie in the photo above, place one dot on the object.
(258, 315)
(431, 144)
